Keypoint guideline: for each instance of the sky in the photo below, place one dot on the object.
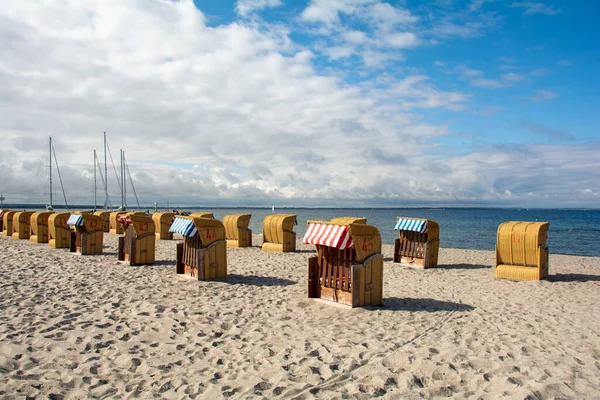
(331, 103)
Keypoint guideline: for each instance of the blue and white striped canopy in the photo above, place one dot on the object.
(415, 225)
(184, 227)
(75, 219)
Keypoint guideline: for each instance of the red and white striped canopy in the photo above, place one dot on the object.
(125, 220)
(337, 236)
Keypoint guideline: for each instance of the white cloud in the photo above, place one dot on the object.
(401, 39)
(564, 63)
(245, 7)
(487, 83)
(204, 113)
(357, 37)
(327, 11)
(540, 72)
(542, 95)
(512, 77)
(338, 52)
(238, 114)
(532, 8)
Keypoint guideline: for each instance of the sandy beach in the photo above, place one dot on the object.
(77, 327)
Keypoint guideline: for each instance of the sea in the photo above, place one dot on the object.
(572, 231)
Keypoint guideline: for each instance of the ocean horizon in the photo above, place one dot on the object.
(573, 231)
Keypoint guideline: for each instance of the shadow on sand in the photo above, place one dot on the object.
(427, 305)
(573, 278)
(254, 280)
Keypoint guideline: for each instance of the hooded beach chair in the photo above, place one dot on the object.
(89, 233)
(59, 231)
(162, 223)
(348, 267)
(521, 251)
(8, 219)
(39, 227)
(278, 233)
(418, 243)
(2, 212)
(22, 224)
(203, 253)
(105, 215)
(236, 230)
(202, 214)
(115, 227)
(138, 246)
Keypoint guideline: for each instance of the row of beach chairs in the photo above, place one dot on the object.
(347, 268)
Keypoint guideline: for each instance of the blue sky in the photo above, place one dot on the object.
(309, 103)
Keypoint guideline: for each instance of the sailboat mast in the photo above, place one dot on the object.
(121, 157)
(124, 180)
(105, 175)
(95, 186)
(50, 165)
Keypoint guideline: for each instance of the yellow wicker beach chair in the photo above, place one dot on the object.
(236, 230)
(203, 253)
(162, 222)
(138, 246)
(59, 231)
(521, 251)
(418, 244)
(105, 215)
(348, 267)
(278, 234)
(39, 227)
(22, 224)
(3, 214)
(89, 233)
(202, 214)
(115, 227)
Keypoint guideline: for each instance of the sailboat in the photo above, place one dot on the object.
(122, 178)
(52, 153)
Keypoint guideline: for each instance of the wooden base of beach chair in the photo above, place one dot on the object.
(165, 235)
(338, 279)
(202, 263)
(520, 273)
(244, 240)
(41, 237)
(139, 251)
(89, 243)
(20, 235)
(413, 249)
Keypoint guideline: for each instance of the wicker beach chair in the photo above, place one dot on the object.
(202, 214)
(521, 251)
(59, 231)
(162, 223)
(203, 253)
(278, 233)
(2, 212)
(236, 230)
(105, 215)
(418, 243)
(89, 233)
(22, 224)
(348, 267)
(138, 246)
(39, 227)
(115, 227)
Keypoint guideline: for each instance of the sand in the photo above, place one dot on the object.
(77, 327)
